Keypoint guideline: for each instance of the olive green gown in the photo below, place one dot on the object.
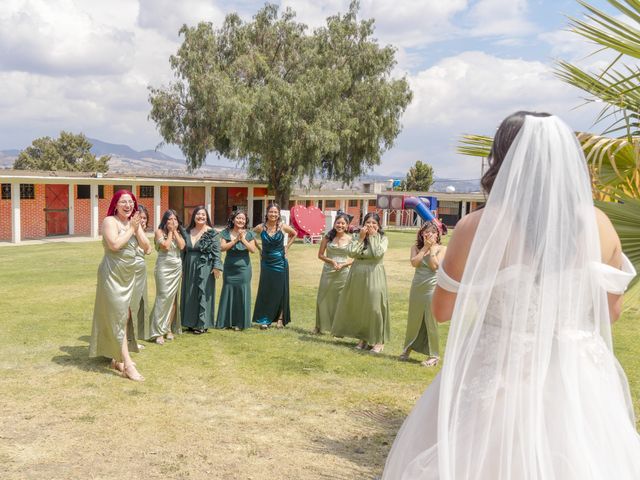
(140, 298)
(363, 308)
(422, 332)
(197, 295)
(234, 308)
(168, 275)
(331, 284)
(114, 290)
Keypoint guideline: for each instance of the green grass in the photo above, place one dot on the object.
(253, 404)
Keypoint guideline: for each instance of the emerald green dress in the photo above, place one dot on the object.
(234, 308)
(116, 279)
(363, 308)
(331, 284)
(197, 295)
(168, 275)
(140, 298)
(273, 289)
(422, 332)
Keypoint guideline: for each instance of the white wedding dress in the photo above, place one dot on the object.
(530, 388)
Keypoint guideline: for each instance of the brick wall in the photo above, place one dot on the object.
(32, 215)
(5, 224)
(82, 214)
(103, 205)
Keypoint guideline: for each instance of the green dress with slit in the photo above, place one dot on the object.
(197, 295)
(422, 330)
(272, 301)
(140, 298)
(168, 275)
(363, 307)
(234, 308)
(331, 284)
(114, 290)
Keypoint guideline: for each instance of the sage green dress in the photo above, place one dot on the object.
(168, 275)
(331, 284)
(234, 308)
(422, 332)
(140, 298)
(114, 290)
(363, 308)
(197, 294)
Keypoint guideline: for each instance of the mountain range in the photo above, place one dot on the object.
(125, 159)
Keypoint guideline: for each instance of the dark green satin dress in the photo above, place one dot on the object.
(273, 290)
(116, 278)
(197, 296)
(234, 308)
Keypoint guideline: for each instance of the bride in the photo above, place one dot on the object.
(530, 388)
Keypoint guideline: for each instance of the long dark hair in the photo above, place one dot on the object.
(331, 234)
(502, 140)
(165, 218)
(266, 215)
(428, 226)
(143, 209)
(376, 217)
(192, 223)
(232, 218)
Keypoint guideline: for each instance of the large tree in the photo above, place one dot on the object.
(69, 152)
(285, 103)
(419, 178)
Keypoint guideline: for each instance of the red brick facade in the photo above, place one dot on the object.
(81, 214)
(5, 224)
(32, 215)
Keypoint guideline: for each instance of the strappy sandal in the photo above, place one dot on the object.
(170, 336)
(280, 323)
(430, 362)
(132, 375)
(159, 340)
(362, 345)
(377, 348)
(404, 356)
(118, 366)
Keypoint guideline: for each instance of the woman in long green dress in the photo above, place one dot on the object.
(272, 301)
(234, 308)
(165, 316)
(422, 332)
(333, 252)
(140, 298)
(112, 333)
(363, 308)
(201, 266)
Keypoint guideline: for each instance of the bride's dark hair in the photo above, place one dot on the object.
(506, 133)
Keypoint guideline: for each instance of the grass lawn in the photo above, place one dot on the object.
(280, 404)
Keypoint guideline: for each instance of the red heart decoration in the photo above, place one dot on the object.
(307, 220)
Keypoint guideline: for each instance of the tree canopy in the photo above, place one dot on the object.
(68, 152)
(287, 104)
(419, 178)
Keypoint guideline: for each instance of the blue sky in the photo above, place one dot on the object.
(84, 66)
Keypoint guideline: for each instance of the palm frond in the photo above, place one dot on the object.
(475, 145)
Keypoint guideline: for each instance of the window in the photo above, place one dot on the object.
(27, 191)
(372, 202)
(146, 191)
(353, 203)
(329, 204)
(84, 192)
(448, 208)
(6, 191)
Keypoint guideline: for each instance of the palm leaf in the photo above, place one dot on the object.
(475, 145)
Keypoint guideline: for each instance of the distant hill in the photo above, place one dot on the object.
(125, 151)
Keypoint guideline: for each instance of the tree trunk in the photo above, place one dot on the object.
(282, 197)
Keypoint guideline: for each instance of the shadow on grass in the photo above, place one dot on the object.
(78, 356)
(369, 447)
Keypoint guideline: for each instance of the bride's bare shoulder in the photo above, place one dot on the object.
(609, 240)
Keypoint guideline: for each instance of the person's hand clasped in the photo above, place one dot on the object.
(216, 273)
(135, 221)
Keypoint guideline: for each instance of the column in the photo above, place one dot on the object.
(72, 209)
(385, 218)
(343, 205)
(16, 232)
(157, 205)
(250, 206)
(463, 210)
(95, 213)
(207, 200)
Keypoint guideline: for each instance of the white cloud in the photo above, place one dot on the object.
(57, 38)
(500, 18)
(168, 16)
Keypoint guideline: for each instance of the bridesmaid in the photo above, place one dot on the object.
(363, 308)
(333, 252)
(200, 265)
(234, 308)
(272, 302)
(112, 333)
(422, 333)
(165, 316)
(140, 298)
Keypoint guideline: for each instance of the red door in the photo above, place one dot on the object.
(56, 211)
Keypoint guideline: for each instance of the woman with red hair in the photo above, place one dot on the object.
(112, 333)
